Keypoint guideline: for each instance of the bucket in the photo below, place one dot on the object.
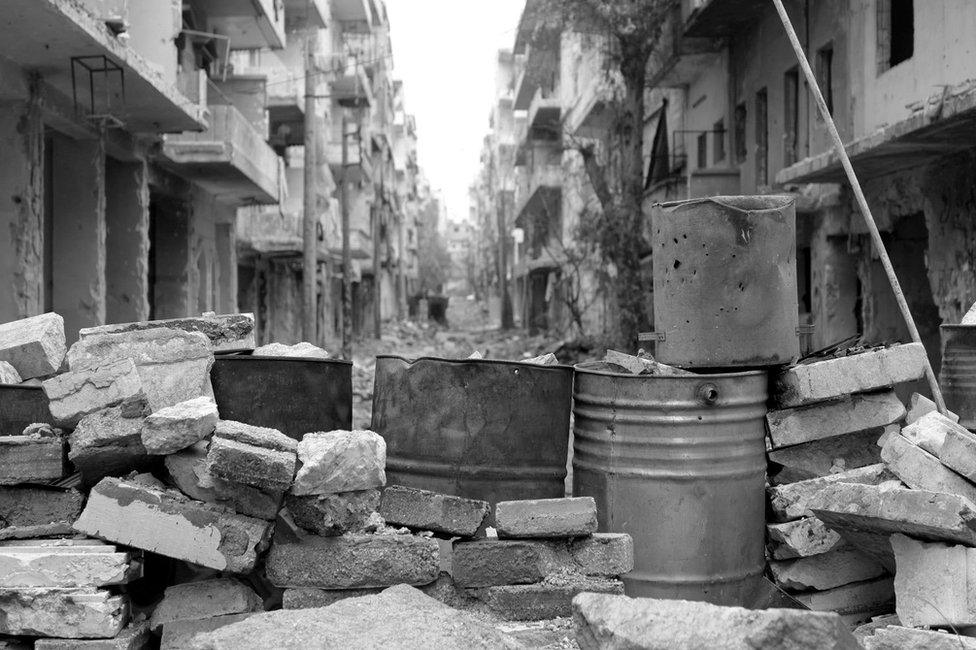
(21, 406)
(725, 282)
(679, 464)
(291, 394)
(958, 375)
(481, 429)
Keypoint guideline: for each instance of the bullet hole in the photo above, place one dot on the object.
(742, 287)
(675, 240)
(684, 236)
(17, 199)
(677, 264)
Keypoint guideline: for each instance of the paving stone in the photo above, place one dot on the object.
(824, 457)
(603, 554)
(268, 469)
(935, 583)
(607, 621)
(791, 501)
(204, 599)
(73, 395)
(134, 636)
(896, 637)
(534, 518)
(959, 452)
(486, 563)
(801, 538)
(62, 613)
(303, 350)
(860, 373)
(929, 431)
(106, 443)
(858, 601)
(353, 561)
(9, 374)
(549, 599)
(439, 513)
(330, 515)
(34, 346)
(29, 459)
(851, 414)
(825, 571)
(179, 635)
(919, 405)
(167, 523)
(921, 470)
(174, 365)
(224, 331)
(340, 461)
(177, 427)
(64, 563)
(27, 512)
(256, 436)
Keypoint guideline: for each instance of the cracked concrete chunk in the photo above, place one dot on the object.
(135, 636)
(801, 538)
(204, 599)
(567, 517)
(34, 346)
(330, 515)
(40, 563)
(224, 331)
(27, 512)
(9, 374)
(825, 571)
(260, 467)
(257, 436)
(791, 501)
(303, 350)
(921, 470)
(896, 637)
(26, 459)
(935, 584)
(340, 461)
(176, 427)
(63, 613)
(551, 598)
(439, 513)
(106, 443)
(852, 414)
(75, 394)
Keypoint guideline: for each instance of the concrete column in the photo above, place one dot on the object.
(833, 289)
(226, 268)
(171, 239)
(127, 243)
(78, 233)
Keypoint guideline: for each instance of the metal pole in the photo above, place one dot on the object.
(310, 211)
(346, 254)
(860, 198)
(377, 210)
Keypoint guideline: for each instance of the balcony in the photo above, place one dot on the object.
(359, 166)
(679, 58)
(230, 159)
(250, 24)
(539, 192)
(351, 86)
(306, 14)
(352, 10)
(720, 18)
(545, 110)
(360, 245)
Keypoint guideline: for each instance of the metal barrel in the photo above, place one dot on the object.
(679, 464)
(725, 293)
(958, 375)
(21, 406)
(293, 395)
(482, 429)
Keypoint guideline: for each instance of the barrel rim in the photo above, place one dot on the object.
(580, 367)
(958, 326)
(735, 202)
(20, 386)
(501, 362)
(244, 355)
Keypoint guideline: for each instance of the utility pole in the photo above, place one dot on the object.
(377, 211)
(346, 254)
(310, 213)
(500, 196)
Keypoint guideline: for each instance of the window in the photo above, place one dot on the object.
(741, 150)
(702, 150)
(896, 32)
(791, 115)
(762, 139)
(718, 150)
(825, 75)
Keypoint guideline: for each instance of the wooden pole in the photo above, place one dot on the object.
(862, 202)
(310, 209)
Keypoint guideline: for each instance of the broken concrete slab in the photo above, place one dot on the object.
(9, 374)
(640, 365)
(30, 459)
(958, 453)
(166, 522)
(106, 443)
(921, 470)
(135, 636)
(934, 583)
(204, 599)
(224, 331)
(64, 563)
(188, 472)
(548, 359)
(73, 395)
(487, 563)
(34, 346)
(256, 436)
(607, 621)
(174, 366)
(551, 598)
(353, 561)
(27, 512)
(919, 405)
(868, 371)
(929, 431)
(182, 634)
(62, 613)
(857, 602)
(824, 457)
(794, 426)
(176, 427)
(340, 461)
(438, 513)
(791, 501)
(260, 467)
(303, 350)
(896, 637)
(247, 499)
(330, 515)
(536, 518)
(825, 571)
(801, 538)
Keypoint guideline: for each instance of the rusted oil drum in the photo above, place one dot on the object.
(295, 395)
(482, 429)
(958, 375)
(725, 282)
(679, 464)
(21, 406)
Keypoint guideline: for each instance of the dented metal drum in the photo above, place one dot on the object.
(958, 375)
(725, 282)
(679, 464)
(482, 429)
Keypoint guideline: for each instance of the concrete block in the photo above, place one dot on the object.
(919, 405)
(303, 350)
(929, 431)
(438, 513)
(353, 561)
(204, 599)
(134, 636)
(801, 538)
(188, 472)
(340, 461)
(824, 457)
(246, 499)
(167, 523)
(791, 501)
(268, 469)
(73, 395)
(959, 452)
(921, 470)
(330, 515)
(825, 571)
(859, 373)
(224, 331)
(106, 443)
(935, 583)
(30, 459)
(603, 554)
(858, 601)
(182, 634)
(34, 346)
(9, 374)
(568, 517)
(312, 598)
(794, 426)
(486, 563)
(544, 600)
(607, 621)
(27, 512)
(62, 613)
(256, 436)
(64, 563)
(896, 637)
(176, 427)
(174, 366)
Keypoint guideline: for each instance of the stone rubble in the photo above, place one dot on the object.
(303, 350)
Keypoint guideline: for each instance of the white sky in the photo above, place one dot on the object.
(445, 52)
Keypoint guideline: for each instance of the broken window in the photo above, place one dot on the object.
(762, 139)
(702, 150)
(791, 115)
(718, 151)
(825, 76)
(741, 151)
(660, 165)
(895, 32)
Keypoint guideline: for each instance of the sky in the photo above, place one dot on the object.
(445, 52)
